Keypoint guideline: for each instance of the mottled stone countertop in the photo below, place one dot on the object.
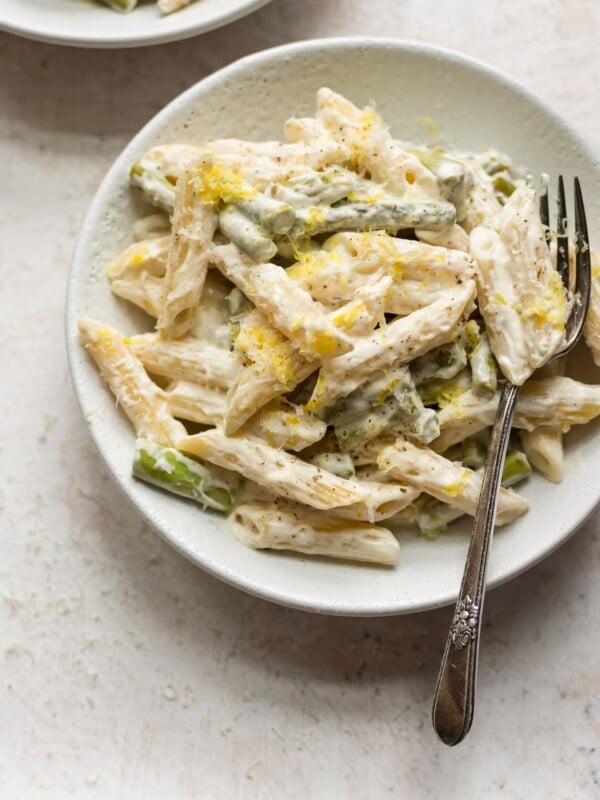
(129, 674)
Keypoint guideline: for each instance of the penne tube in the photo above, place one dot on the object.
(196, 402)
(521, 296)
(149, 256)
(454, 237)
(544, 444)
(385, 499)
(122, 5)
(446, 480)
(347, 261)
(286, 426)
(153, 226)
(373, 148)
(544, 449)
(480, 204)
(291, 527)
(145, 291)
(272, 366)
(340, 464)
(281, 472)
(556, 401)
(194, 224)
(433, 516)
(402, 340)
(140, 398)
(261, 164)
(591, 330)
(186, 359)
(168, 6)
(290, 308)
(254, 388)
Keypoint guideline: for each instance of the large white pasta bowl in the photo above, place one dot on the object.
(251, 99)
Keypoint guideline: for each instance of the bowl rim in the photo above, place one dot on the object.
(177, 31)
(241, 581)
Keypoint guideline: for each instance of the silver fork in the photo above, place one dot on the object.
(454, 699)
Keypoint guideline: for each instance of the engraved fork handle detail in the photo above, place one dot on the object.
(454, 698)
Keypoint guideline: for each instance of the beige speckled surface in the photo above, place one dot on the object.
(129, 674)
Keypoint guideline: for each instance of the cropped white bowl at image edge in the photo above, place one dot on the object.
(92, 24)
(252, 98)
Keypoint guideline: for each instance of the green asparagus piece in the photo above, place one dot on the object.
(326, 187)
(390, 400)
(484, 369)
(500, 169)
(442, 363)
(248, 236)
(169, 469)
(449, 171)
(390, 215)
(275, 216)
(474, 452)
(157, 190)
(443, 392)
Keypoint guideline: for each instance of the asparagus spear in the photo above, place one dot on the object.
(171, 470)
(442, 363)
(389, 214)
(483, 367)
(442, 392)
(248, 236)
(156, 189)
(390, 400)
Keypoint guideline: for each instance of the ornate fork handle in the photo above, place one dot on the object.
(454, 698)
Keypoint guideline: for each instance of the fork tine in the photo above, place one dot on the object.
(544, 210)
(562, 239)
(583, 268)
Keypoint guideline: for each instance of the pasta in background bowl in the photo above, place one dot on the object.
(252, 99)
(87, 23)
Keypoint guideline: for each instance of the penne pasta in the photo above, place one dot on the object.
(290, 308)
(420, 273)
(402, 340)
(286, 426)
(142, 401)
(196, 402)
(186, 359)
(372, 147)
(282, 473)
(291, 527)
(557, 401)
(194, 224)
(521, 296)
(446, 480)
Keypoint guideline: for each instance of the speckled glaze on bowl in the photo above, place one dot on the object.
(475, 108)
(85, 23)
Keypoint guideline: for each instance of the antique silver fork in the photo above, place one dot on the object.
(454, 698)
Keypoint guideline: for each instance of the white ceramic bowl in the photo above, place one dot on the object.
(475, 107)
(84, 23)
